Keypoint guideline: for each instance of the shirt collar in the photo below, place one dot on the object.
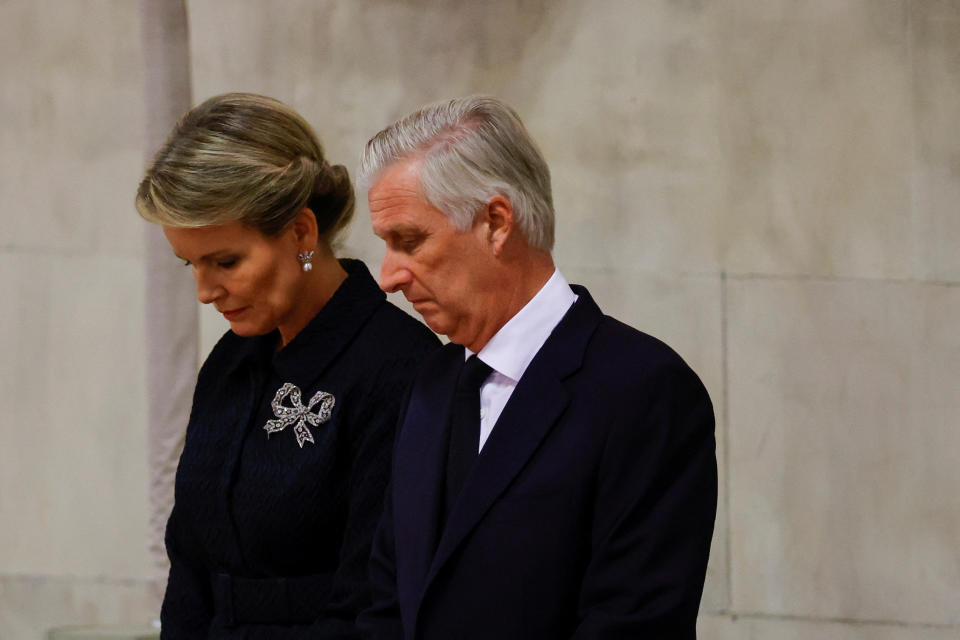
(513, 347)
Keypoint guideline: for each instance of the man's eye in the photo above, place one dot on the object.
(226, 264)
(187, 263)
(410, 243)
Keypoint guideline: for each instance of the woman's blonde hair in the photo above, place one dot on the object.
(242, 157)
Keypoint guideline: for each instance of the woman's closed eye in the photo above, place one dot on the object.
(223, 263)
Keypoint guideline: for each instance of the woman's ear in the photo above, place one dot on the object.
(500, 223)
(305, 231)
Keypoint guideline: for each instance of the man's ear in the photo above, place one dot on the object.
(500, 223)
(305, 231)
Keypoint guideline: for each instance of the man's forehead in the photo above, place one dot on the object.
(408, 221)
(398, 215)
(392, 199)
(398, 206)
(403, 174)
(397, 187)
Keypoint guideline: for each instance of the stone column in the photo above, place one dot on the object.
(171, 308)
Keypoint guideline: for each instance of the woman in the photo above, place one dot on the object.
(287, 451)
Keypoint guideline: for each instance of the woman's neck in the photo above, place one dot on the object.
(320, 284)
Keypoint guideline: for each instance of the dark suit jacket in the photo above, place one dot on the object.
(589, 512)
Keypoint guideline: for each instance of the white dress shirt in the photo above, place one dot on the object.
(512, 348)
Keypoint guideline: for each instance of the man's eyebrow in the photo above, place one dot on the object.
(404, 228)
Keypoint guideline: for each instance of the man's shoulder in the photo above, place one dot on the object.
(620, 356)
(607, 341)
(616, 337)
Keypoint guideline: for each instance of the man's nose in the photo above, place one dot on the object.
(393, 274)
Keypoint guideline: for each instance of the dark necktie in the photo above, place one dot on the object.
(464, 427)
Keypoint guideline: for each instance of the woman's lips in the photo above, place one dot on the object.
(234, 313)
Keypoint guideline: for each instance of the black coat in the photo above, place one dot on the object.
(588, 513)
(268, 538)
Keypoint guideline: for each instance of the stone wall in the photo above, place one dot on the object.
(771, 187)
(73, 472)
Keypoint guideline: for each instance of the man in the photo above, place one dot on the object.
(561, 483)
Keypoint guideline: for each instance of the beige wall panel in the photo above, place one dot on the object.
(685, 313)
(706, 135)
(29, 606)
(843, 446)
(621, 100)
(935, 32)
(816, 128)
(73, 465)
(71, 104)
(725, 628)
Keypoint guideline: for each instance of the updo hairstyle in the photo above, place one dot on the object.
(242, 157)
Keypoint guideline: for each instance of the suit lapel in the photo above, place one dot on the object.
(536, 404)
(532, 410)
(419, 472)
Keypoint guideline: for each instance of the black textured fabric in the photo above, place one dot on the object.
(268, 539)
(464, 427)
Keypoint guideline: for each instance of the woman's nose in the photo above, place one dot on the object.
(208, 290)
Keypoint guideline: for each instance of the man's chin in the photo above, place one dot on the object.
(436, 324)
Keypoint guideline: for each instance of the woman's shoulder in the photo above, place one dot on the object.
(229, 351)
(397, 333)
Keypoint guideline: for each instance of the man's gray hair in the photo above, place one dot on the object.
(471, 149)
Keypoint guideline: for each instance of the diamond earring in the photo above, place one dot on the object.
(306, 260)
